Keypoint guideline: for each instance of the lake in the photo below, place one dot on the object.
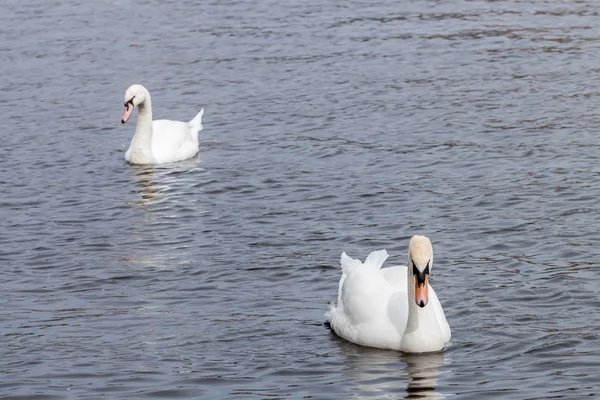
(329, 126)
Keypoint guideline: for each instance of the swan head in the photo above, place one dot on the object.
(134, 96)
(420, 260)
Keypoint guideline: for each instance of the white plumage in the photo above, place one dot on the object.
(161, 141)
(377, 308)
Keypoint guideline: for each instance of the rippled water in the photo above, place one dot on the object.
(329, 127)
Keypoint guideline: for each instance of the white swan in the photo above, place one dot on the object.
(390, 308)
(161, 141)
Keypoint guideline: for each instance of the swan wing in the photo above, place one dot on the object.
(365, 302)
(396, 276)
(172, 141)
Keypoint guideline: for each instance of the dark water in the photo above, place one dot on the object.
(329, 126)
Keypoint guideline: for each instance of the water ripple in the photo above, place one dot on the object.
(328, 128)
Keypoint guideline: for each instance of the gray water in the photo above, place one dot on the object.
(329, 126)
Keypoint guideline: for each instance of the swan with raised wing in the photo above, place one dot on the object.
(161, 141)
(390, 308)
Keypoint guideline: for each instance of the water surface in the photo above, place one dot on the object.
(329, 127)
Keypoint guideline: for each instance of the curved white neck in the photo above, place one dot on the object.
(422, 333)
(141, 145)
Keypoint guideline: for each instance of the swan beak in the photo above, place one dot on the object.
(421, 290)
(128, 110)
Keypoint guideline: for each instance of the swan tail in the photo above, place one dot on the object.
(196, 123)
(329, 313)
(333, 315)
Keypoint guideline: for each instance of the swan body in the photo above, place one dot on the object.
(161, 141)
(390, 308)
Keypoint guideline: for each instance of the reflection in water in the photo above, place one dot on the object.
(154, 182)
(390, 374)
(149, 190)
(161, 189)
(423, 370)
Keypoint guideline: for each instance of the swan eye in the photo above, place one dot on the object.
(421, 276)
(130, 101)
(415, 270)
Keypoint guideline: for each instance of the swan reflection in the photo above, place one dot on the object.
(148, 188)
(155, 182)
(423, 370)
(392, 375)
(163, 195)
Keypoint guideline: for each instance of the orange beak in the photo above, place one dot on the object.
(128, 110)
(421, 291)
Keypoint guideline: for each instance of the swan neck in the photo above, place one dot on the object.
(144, 124)
(422, 331)
(141, 145)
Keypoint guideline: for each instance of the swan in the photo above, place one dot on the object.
(161, 141)
(390, 308)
